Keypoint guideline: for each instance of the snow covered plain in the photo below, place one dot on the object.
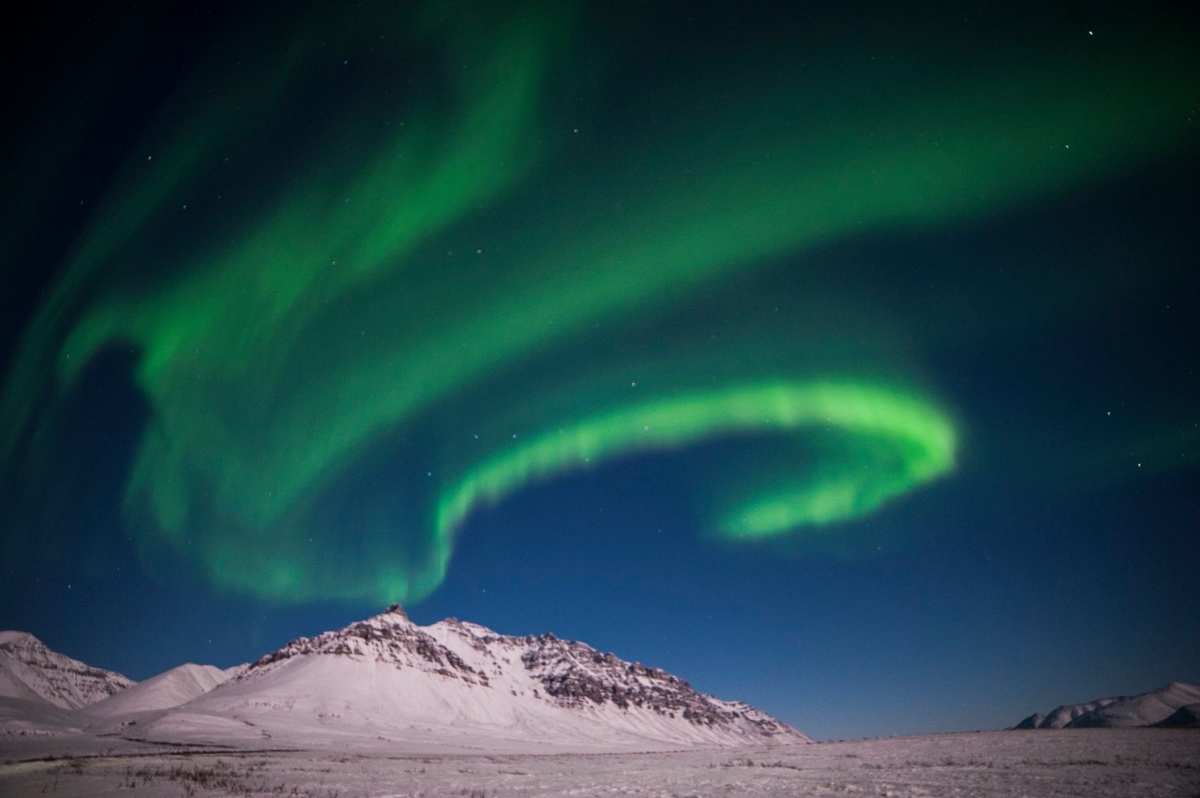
(1067, 762)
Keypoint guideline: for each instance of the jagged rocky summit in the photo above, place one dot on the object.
(1177, 704)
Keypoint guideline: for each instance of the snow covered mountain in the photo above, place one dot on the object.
(29, 671)
(170, 689)
(461, 685)
(385, 683)
(1147, 709)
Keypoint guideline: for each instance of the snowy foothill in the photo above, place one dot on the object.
(170, 689)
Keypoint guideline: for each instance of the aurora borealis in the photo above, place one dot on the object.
(358, 286)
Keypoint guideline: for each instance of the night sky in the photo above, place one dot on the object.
(837, 357)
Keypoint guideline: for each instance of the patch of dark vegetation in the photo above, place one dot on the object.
(221, 777)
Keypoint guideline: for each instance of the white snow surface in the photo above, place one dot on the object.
(462, 687)
(1142, 710)
(1068, 763)
(30, 671)
(1063, 716)
(21, 717)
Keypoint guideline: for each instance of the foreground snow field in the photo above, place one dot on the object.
(1071, 762)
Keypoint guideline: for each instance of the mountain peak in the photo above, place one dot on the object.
(450, 685)
(389, 637)
(464, 675)
(28, 664)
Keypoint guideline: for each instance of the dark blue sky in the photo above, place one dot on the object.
(1049, 310)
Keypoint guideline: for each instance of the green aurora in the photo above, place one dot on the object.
(440, 260)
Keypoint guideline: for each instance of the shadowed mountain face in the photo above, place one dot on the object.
(1175, 705)
(1187, 716)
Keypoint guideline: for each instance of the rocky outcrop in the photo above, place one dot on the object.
(390, 637)
(575, 674)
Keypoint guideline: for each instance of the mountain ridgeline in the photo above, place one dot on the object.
(452, 685)
(1177, 704)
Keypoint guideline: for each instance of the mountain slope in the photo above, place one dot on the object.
(21, 717)
(1187, 715)
(460, 684)
(1065, 716)
(170, 689)
(1145, 709)
(29, 671)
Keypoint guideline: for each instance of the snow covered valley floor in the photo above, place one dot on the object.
(1069, 762)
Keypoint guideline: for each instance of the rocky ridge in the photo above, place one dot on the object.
(574, 673)
(389, 638)
(30, 670)
(538, 669)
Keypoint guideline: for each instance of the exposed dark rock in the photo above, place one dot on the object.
(64, 682)
(390, 637)
(574, 674)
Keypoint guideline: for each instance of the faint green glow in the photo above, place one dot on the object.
(403, 261)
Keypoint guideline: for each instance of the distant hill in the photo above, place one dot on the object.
(1177, 704)
(170, 689)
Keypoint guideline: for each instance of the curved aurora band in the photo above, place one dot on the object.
(922, 439)
(396, 261)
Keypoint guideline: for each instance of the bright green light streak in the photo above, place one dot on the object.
(922, 438)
